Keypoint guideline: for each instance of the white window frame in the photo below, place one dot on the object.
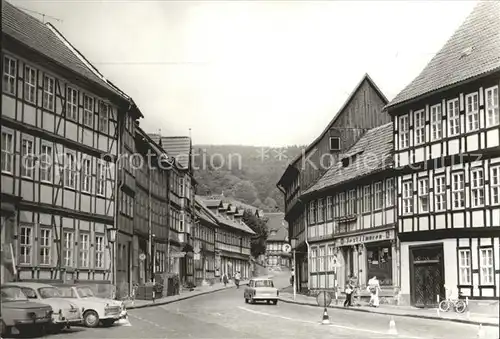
(378, 197)
(389, 190)
(464, 267)
(88, 111)
(70, 170)
(321, 210)
(182, 221)
(72, 104)
(436, 122)
(495, 184)
(329, 208)
(45, 163)
(99, 251)
(101, 177)
(407, 207)
(45, 246)
(86, 169)
(367, 199)
(458, 190)
(48, 92)
(486, 269)
(351, 202)
(472, 111)
(439, 193)
(321, 257)
(104, 110)
(477, 187)
(404, 131)
(492, 106)
(419, 127)
(314, 254)
(9, 82)
(26, 245)
(84, 250)
(68, 248)
(27, 157)
(453, 117)
(30, 84)
(7, 152)
(342, 204)
(423, 195)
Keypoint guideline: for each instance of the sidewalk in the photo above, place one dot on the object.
(402, 311)
(200, 290)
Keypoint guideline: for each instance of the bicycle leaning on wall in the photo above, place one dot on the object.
(458, 304)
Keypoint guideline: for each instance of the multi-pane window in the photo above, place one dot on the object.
(313, 260)
(457, 190)
(45, 163)
(181, 222)
(378, 196)
(329, 208)
(26, 245)
(472, 111)
(389, 192)
(419, 127)
(86, 175)
(351, 202)
(48, 92)
(7, 151)
(30, 84)
(84, 250)
(367, 199)
(99, 251)
(464, 267)
(9, 75)
(492, 110)
(68, 249)
(407, 197)
(103, 117)
(342, 206)
(495, 185)
(311, 214)
(320, 210)
(436, 122)
(45, 246)
(331, 258)
(440, 193)
(404, 131)
(453, 117)
(477, 187)
(27, 162)
(88, 111)
(423, 195)
(321, 264)
(486, 266)
(72, 104)
(70, 171)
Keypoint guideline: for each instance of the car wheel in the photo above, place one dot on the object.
(268, 302)
(108, 322)
(4, 330)
(251, 300)
(91, 318)
(246, 301)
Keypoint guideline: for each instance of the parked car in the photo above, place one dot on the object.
(65, 313)
(96, 309)
(261, 289)
(24, 315)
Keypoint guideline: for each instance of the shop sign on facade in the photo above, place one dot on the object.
(364, 238)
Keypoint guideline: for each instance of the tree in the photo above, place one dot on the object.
(245, 191)
(259, 240)
(270, 204)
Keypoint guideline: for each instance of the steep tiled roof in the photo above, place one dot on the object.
(47, 40)
(225, 220)
(179, 148)
(276, 222)
(243, 206)
(372, 153)
(478, 35)
(203, 212)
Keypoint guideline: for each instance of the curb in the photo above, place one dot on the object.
(408, 315)
(178, 299)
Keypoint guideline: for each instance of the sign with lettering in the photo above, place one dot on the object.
(177, 254)
(364, 238)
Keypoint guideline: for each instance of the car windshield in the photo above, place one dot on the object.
(11, 293)
(49, 292)
(67, 292)
(85, 292)
(264, 283)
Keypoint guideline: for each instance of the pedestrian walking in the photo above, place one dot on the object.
(374, 289)
(348, 294)
(224, 279)
(237, 279)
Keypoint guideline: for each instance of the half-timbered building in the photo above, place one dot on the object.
(203, 233)
(59, 140)
(447, 149)
(360, 112)
(352, 217)
(277, 237)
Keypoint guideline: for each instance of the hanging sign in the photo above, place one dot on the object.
(142, 257)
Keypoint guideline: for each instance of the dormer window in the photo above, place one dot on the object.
(334, 144)
(273, 232)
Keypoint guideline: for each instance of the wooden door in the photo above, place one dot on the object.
(427, 276)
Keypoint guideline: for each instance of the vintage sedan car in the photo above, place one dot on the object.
(65, 312)
(20, 313)
(103, 310)
(261, 289)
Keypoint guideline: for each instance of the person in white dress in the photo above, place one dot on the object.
(374, 289)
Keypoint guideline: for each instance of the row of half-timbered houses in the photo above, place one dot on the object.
(414, 201)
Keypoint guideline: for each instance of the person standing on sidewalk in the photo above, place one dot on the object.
(374, 288)
(237, 279)
(224, 279)
(348, 294)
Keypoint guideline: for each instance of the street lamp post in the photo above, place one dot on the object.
(293, 243)
(111, 233)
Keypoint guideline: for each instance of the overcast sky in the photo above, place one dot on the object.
(253, 73)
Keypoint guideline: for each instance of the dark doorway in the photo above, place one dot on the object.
(426, 275)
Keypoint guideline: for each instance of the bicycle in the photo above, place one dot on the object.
(458, 305)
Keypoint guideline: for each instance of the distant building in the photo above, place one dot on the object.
(277, 237)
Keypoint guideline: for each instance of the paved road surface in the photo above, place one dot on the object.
(224, 315)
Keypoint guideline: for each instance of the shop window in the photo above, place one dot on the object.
(380, 263)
